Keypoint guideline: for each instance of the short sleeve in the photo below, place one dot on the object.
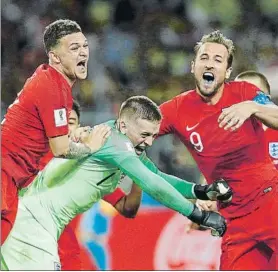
(114, 197)
(54, 102)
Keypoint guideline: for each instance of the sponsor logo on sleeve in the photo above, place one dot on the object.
(60, 117)
(130, 147)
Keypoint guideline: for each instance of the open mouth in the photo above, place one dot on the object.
(139, 149)
(82, 63)
(208, 77)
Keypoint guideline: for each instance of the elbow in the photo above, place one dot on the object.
(60, 152)
(131, 214)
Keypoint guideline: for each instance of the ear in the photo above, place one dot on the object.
(228, 72)
(122, 126)
(192, 66)
(53, 57)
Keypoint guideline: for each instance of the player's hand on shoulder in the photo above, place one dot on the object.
(209, 220)
(80, 133)
(96, 137)
(206, 205)
(234, 116)
(218, 190)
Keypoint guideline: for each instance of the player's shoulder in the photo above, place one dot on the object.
(39, 79)
(47, 75)
(240, 86)
(120, 141)
(117, 141)
(186, 97)
(190, 94)
(271, 133)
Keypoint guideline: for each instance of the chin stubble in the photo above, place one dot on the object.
(211, 93)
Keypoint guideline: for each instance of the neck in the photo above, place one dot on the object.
(59, 69)
(212, 100)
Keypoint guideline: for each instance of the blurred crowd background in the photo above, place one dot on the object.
(139, 47)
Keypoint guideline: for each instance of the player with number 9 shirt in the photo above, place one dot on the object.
(220, 123)
(271, 135)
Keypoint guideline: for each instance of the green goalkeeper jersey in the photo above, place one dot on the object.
(67, 187)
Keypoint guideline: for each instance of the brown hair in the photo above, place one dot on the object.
(57, 30)
(218, 37)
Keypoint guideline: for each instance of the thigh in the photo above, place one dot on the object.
(17, 255)
(244, 257)
(29, 246)
(264, 222)
(242, 244)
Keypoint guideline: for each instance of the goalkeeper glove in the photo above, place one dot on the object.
(218, 190)
(210, 220)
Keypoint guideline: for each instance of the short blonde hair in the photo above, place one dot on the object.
(218, 37)
(255, 75)
(140, 107)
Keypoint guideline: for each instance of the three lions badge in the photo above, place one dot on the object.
(273, 149)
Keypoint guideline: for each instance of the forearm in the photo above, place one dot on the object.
(128, 206)
(77, 151)
(157, 187)
(184, 187)
(267, 114)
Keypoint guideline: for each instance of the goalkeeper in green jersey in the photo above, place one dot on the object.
(67, 187)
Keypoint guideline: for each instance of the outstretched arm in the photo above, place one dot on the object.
(166, 194)
(219, 190)
(156, 186)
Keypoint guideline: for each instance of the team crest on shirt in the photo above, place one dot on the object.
(273, 149)
(60, 117)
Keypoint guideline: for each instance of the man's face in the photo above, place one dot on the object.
(73, 53)
(210, 68)
(73, 121)
(141, 132)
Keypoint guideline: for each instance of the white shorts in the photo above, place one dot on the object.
(29, 245)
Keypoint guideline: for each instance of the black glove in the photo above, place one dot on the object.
(218, 190)
(211, 220)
